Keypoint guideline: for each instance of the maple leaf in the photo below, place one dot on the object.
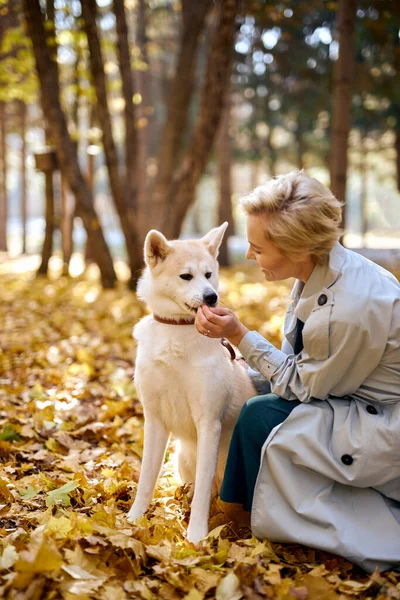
(29, 493)
(61, 527)
(41, 556)
(9, 434)
(61, 495)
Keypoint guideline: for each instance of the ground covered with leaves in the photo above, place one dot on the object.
(71, 434)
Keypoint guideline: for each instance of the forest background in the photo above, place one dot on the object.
(171, 111)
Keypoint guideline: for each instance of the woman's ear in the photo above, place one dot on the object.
(156, 248)
(212, 240)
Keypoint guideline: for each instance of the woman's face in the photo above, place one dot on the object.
(273, 264)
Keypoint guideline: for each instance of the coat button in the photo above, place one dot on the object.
(323, 299)
(347, 459)
(371, 410)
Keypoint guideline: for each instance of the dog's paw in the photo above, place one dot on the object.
(196, 532)
(135, 513)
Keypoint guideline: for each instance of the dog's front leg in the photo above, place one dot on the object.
(155, 442)
(208, 436)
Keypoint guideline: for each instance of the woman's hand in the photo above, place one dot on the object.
(220, 322)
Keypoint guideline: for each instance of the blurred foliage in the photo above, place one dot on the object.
(282, 79)
(285, 59)
(285, 54)
(71, 441)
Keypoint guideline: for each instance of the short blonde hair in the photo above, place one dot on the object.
(303, 215)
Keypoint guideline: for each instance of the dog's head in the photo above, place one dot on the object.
(180, 275)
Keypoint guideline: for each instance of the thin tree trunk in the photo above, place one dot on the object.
(3, 177)
(224, 160)
(396, 65)
(397, 151)
(47, 249)
(91, 172)
(364, 187)
(90, 178)
(67, 216)
(196, 221)
(67, 224)
(144, 77)
(180, 93)
(66, 150)
(341, 117)
(125, 213)
(271, 153)
(131, 149)
(299, 147)
(147, 127)
(23, 197)
(255, 173)
(218, 71)
(78, 94)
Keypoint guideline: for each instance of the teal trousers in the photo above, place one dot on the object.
(257, 419)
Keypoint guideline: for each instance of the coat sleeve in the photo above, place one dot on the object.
(355, 343)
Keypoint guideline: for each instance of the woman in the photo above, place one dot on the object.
(317, 461)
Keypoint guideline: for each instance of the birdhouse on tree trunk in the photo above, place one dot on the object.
(46, 160)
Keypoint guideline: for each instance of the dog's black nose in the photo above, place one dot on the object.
(210, 298)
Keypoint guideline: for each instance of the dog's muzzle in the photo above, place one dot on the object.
(210, 298)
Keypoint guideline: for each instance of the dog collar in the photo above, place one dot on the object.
(173, 321)
(223, 341)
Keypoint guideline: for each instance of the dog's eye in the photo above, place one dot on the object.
(208, 275)
(186, 276)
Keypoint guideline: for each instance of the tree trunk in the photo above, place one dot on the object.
(147, 127)
(47, 249)
(180, 93)
(397, 150)
(224, 160)
(131, 150)
(218, 71)
(255, 173)
(396, 65)
(299, 147)
(118, 186)
(3, 177)
(24, 202)
(342, 91)
(364, 187)
(91, 174)
(67, 216)
(67, 224)
(78, 94)
(271, 153)
(50, 207)
(66, 150)
(196, 220)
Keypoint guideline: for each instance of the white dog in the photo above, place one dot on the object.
(188, 383)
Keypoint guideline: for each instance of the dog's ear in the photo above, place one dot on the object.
(156, 248)
(213, 238)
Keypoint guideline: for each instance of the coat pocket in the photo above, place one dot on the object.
(317, 328)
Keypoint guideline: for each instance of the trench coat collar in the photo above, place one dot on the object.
(322, 277)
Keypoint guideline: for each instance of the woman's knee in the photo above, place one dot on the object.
(255, 410)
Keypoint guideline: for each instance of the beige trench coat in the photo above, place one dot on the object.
(330, 474)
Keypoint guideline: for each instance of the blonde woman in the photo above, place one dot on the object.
(317, 459)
